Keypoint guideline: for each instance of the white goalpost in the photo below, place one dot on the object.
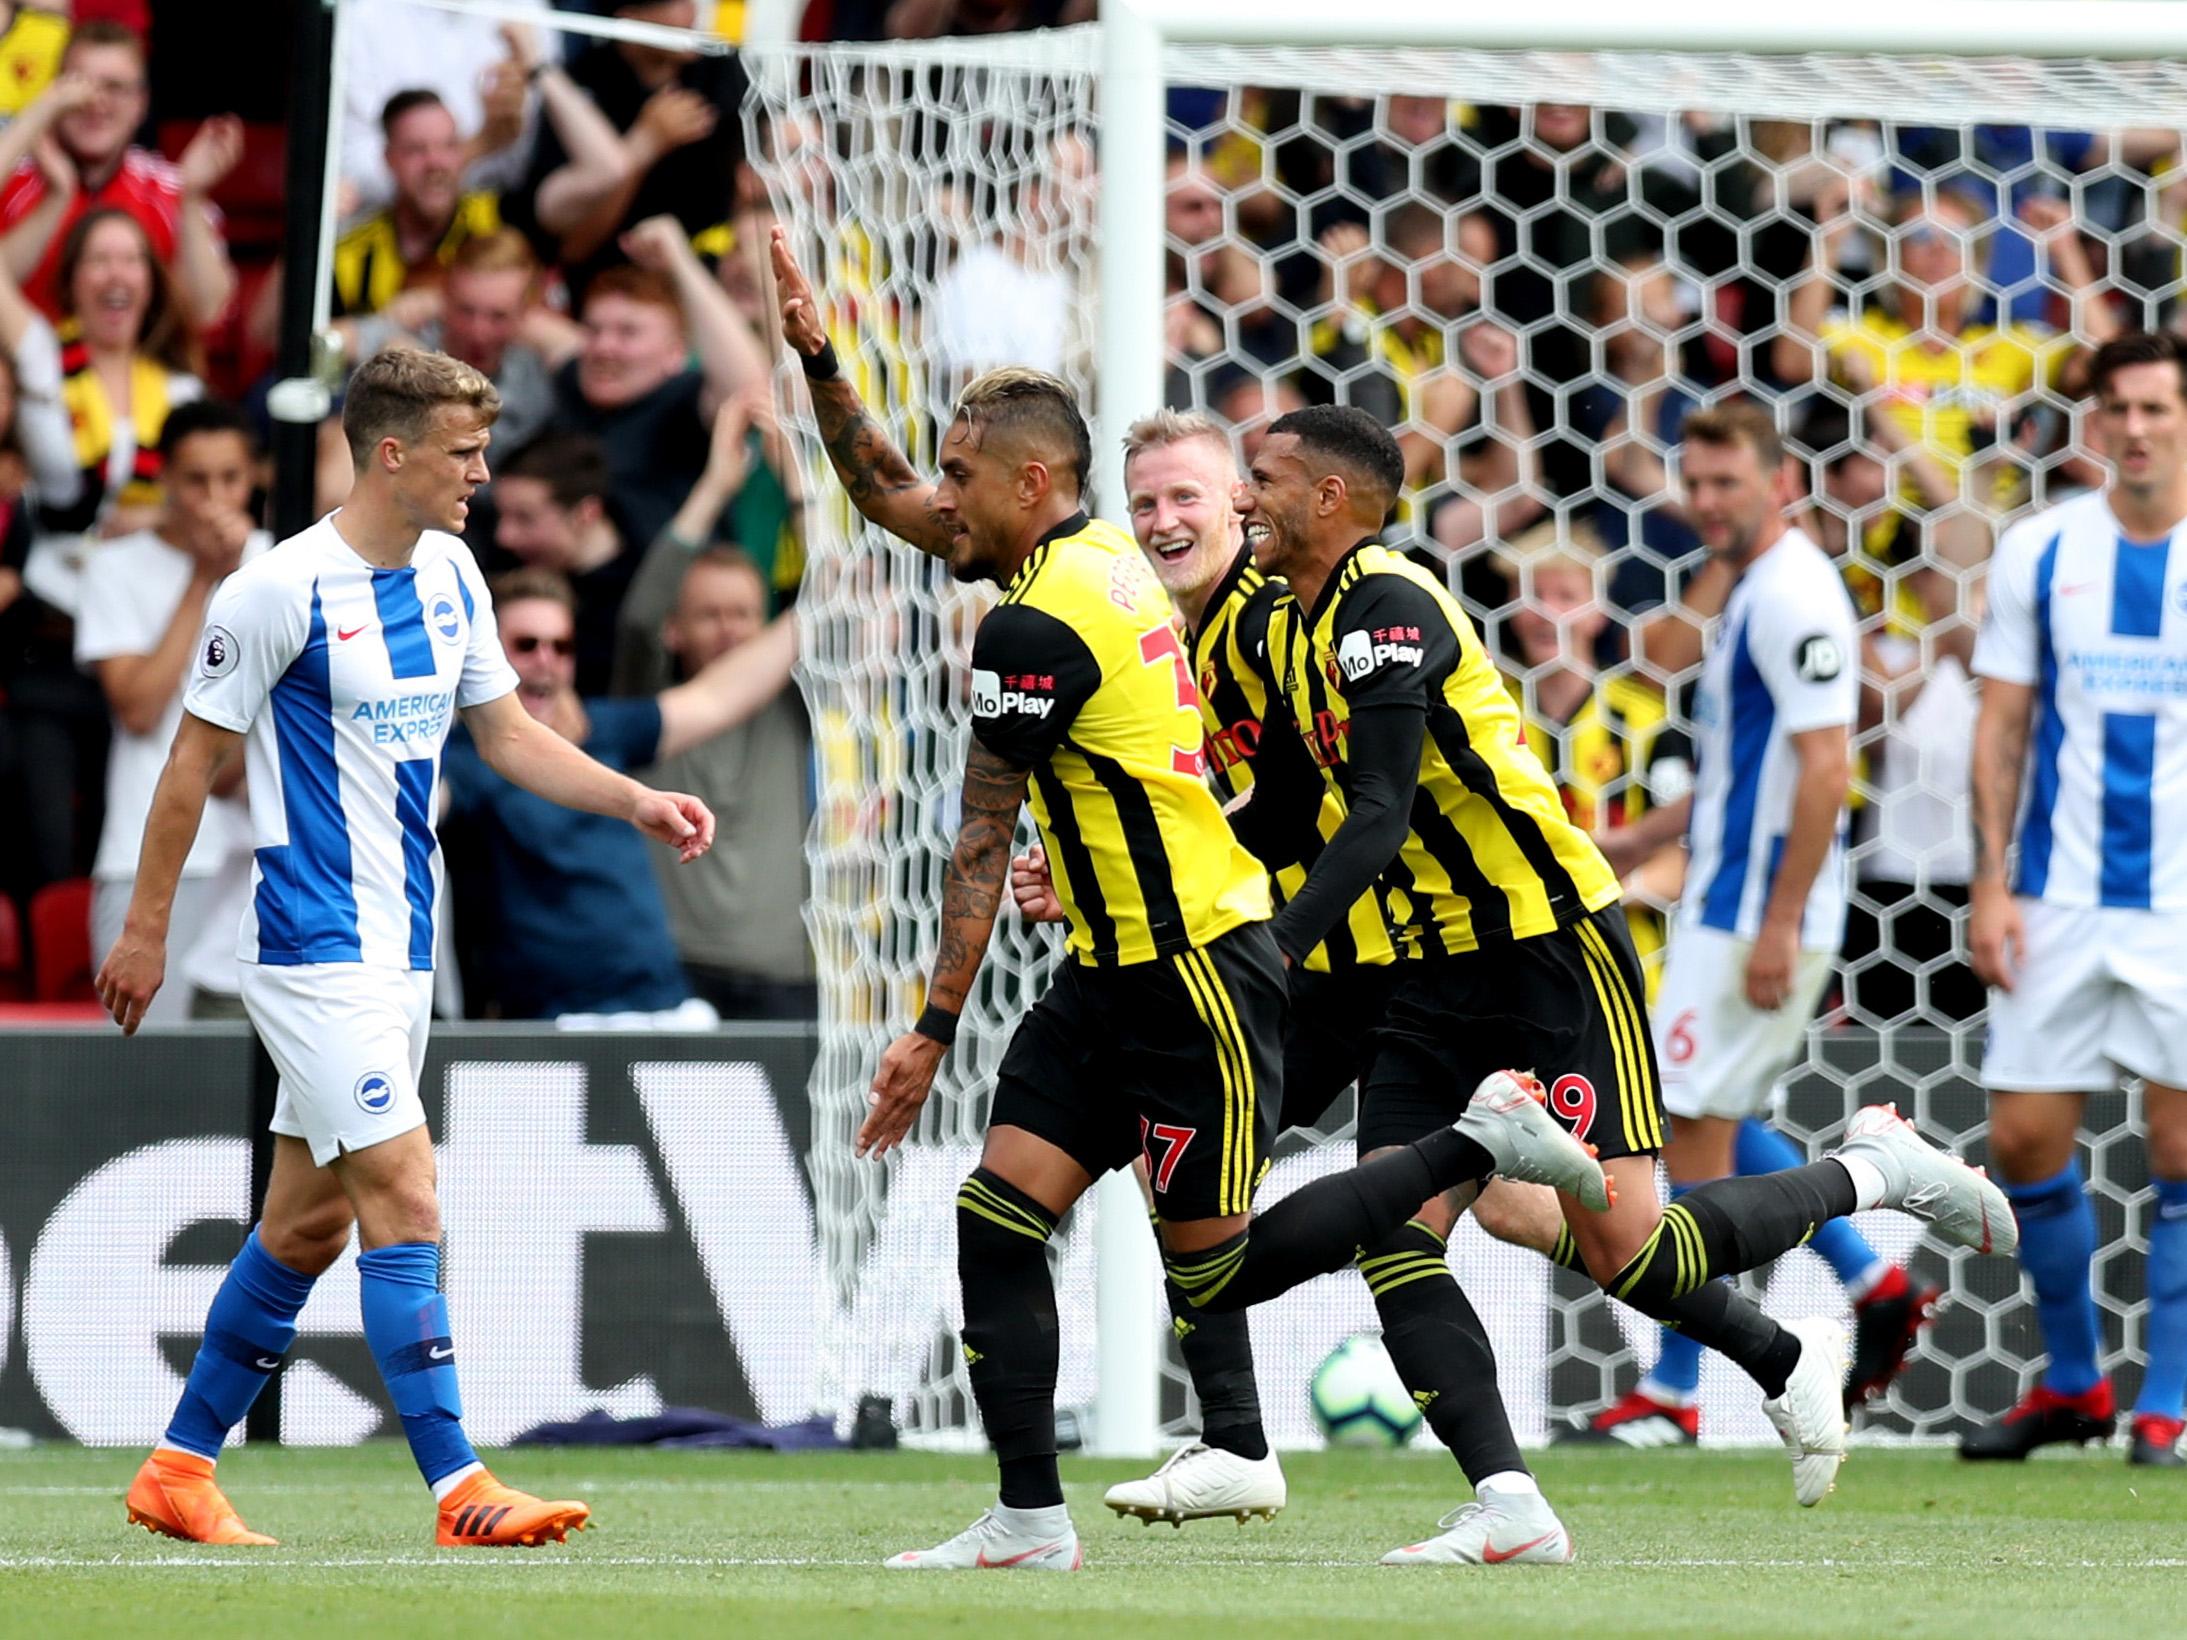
(900, 169)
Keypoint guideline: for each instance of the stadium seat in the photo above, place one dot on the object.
(13, 984)
(60, 941)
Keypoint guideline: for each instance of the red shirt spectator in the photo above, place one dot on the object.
(99, 102)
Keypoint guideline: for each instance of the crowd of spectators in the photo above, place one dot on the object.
(1534, 296)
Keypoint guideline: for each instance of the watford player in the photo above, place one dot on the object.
(1179, 478)
(1160, 1036)
(1515, 951)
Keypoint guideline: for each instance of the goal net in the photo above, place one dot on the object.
(1533, 264)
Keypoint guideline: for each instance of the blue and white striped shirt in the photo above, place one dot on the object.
(346, 680)
(2096, 624)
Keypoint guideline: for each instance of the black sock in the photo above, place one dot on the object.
(1441, 1350)
(1218, 1352)
(1720, 1229)
(1322, 1226)
(1009, 1337)
(1722, 1318)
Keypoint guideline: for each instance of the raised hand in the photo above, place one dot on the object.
(801, 326)
(211, 154)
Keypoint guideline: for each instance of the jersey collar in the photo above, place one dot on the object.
(1225, 587)
(1336, 578)
(1070, 526)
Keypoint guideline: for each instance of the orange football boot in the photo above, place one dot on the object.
(174, 1494)
(484, 1514)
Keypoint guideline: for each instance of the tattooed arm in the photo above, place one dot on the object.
(881, 483)
(972, 891)
(1995, 934)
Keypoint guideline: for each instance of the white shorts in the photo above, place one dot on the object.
(1719, 1054)
(349, 1042)
(2102, 990)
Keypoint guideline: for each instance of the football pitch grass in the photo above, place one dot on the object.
(1685, 1544)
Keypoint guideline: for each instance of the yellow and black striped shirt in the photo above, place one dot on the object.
(1078, 674)
(1230, 659)
(369, 270)
(1489, 853)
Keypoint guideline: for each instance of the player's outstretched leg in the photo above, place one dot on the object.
(1011, 1355)
(1441, 1351)
(1506, 1130)
(248, 1330)
(1227, 1472)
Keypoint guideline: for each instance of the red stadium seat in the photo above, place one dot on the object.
(60, 941)
(13, 983)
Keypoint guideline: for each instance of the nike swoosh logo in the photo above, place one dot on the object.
(441, 1355)
(1014, 1560)
(267, 1365)
(1496, 1557)
(351, 633)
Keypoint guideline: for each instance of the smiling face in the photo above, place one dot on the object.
(438, 472)
(631, 347)
(718, 607)
(481, 311)
(539, 636)
(1559, 618)
(110, 289)
(1276, 504)
(94, 134)
(425, 157)
(1181, 498)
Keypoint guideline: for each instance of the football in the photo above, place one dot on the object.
(1358, 1398)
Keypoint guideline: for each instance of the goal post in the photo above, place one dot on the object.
(897, 169)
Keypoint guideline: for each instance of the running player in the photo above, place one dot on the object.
(336, 663)
(1180, 477)
(2083, 661)
(1158, 1037)
(1518, 952)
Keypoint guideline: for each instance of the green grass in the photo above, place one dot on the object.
(1687, 1544)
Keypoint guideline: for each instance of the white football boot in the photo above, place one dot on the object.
(1930, 1183)
(1002, 1540)
(1499, 1528)
(1810, 1416)
(1203, 1483)
(1508, 1116)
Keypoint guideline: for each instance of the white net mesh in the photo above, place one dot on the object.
(1532, 265)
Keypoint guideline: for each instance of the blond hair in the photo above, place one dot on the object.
(1554, 543)
(1034, 405)
(502, 251)
(396, 393)
(1167, 427)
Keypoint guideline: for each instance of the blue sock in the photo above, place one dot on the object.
(1676, 1375)
(406, 1323)
(2057, 1245)
(249, 1328)
(2164, 1334)
(1760, 1148)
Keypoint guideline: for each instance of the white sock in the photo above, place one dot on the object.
(1867, 1180)
(1515, 1483)
(169, 1446)
(1662, 1396)
(1052, 1517)
(448, 1483)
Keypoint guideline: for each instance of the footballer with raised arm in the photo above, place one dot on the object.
(1160, 1033)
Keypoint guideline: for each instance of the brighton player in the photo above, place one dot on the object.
(1757, 930)
(2083, 662)
(335, 664)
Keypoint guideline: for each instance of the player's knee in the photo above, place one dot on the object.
(1523, 1215)
(1205, 1275)
(996, 1221)
(2024, 1146)
(309, 1242)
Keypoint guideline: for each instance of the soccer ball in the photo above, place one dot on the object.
(1358, 1398)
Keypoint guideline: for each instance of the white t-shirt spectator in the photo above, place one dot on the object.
(991, 309)
(131, 589)
(389, 46)
(1922, 779)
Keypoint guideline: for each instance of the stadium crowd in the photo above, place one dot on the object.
(1536, 296)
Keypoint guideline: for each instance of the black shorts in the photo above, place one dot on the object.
(1565, 1005)
(1177, 1059)
(1329, 1043)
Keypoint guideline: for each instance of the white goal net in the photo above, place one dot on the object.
(1533, 264)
